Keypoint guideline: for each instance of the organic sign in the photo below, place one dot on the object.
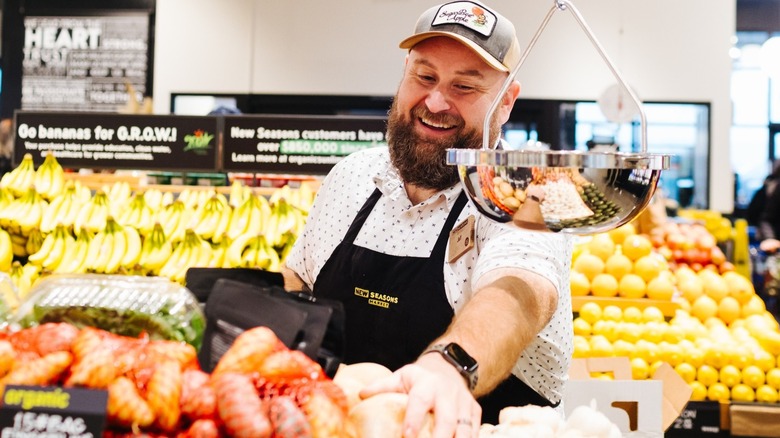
(115, 141)
(296, 144)
(38, 411)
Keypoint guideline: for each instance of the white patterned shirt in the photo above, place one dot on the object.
(398, 228)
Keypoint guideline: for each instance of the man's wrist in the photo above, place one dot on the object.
(457, 357)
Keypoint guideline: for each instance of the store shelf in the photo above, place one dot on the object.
(668, 308)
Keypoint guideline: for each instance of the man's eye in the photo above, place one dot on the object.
(426, 78)
(464, 87)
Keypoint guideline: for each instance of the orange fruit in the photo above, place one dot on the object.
(601, 245)
(632, 286)
(618, 265)
(589, 264)
(620, 233)
(660, 288)
(648, 267)
(604, 285)
(753, 376)
(636, 246)
(718, 392)
(707, 375)
(704, 307)
(729, 309)
(579, 284)
(766, 394)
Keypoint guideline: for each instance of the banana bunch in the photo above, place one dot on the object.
(49, 179)
(192, 251)
(212, 218)
(195, 198)
(174, 219)
(302, 197)
(155, 251)
(238, 193)
(24, 277)
(252, 251)
(21, 177)
(93, 214)
(62, 209)
(119, 194)
(138, 214)
(219, 249)
(24, 213)
(249, 217)
(113, 248)
(6, 251)
(156, 199)
(53, 250)
(283, 223)
(32, 242)
(76, 261)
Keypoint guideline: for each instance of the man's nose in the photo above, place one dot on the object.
(437, 102)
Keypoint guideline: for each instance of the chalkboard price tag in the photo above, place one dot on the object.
(48, 411)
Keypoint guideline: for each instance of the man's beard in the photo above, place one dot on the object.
(422, 161)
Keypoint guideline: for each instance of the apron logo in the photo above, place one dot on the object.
(376, 299)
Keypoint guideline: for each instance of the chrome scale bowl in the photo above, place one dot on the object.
(561, 191)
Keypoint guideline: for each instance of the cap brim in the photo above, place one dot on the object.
(411, 41)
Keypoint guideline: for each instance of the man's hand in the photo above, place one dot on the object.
(433, 385)
(769, 245)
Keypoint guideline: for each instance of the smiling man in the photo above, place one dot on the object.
(471, 315)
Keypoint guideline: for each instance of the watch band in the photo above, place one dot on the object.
(456, 356)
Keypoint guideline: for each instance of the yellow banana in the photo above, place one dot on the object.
(167, 199)
(235, 251)
(118, 246)
(93, 214)
(133, 251)
(20, 179)
(239, 220)
(154, 199)
(58, 252)
(49, 179)
(6, 251)
(34, 242)
(77, 249)
(98, 252)
(236, 196)
(155, 251)
(20, 279)
(30, 212)
(221, 228)
(178, 261)
(218, 251)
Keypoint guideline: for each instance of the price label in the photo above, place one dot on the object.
(52, 411)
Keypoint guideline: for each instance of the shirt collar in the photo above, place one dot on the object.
(389, 182)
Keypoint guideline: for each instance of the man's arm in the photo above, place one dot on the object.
(510, 308)
(292, 281)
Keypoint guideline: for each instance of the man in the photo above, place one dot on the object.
(489, 318)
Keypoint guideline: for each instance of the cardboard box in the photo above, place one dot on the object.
(640, 408)
(754, 419)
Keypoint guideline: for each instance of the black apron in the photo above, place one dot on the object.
(396, 306)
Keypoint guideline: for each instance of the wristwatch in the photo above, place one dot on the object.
(457, 357)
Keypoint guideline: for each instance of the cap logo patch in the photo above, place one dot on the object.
(467, 14)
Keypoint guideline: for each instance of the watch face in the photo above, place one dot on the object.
(461, 357)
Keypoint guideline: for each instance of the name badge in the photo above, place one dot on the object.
(461, 239)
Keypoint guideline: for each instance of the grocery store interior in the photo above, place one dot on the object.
(674, 313)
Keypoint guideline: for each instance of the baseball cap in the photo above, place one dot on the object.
(488, 33)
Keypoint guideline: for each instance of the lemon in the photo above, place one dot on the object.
(753, 376)
(590, 312)
(605, 328)
(652, 314)
(660, 288)
(730, 375)
(579, 284)
(632, 314)
(612, 313)
(632, 286)
(690, 287)
(693, 355)
(704, 308)
(640, 370)
(632, 332)
(604, 285)
(773, 378)
(649, 266)
(581, 347)
(581, 327)
(718, 392)
(766, 394)
(729, 309)
(618, 265)
(601, 347)
(686, 371)
(623, 348)
(636, 246)
(764, 360)
(620, 233)
(671, 353)
(602, 246)
(699, 391)
(707, 375)
(743, 393)
(589, 264)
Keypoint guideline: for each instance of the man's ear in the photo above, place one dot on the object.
(508, 101)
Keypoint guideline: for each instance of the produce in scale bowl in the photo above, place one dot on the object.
(120, 304)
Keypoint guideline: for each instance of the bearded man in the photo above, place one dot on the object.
(471, 315)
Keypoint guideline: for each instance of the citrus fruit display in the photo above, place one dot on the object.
(720, 338)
